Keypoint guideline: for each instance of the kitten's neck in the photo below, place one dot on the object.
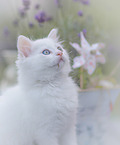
(54, 82)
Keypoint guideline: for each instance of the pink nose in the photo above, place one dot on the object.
(60, 53)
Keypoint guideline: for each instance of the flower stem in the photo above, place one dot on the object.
(115, 69)
(81, 78)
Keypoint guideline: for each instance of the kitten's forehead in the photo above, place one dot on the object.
(45, 42)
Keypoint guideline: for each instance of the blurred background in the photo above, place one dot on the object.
(98, 19)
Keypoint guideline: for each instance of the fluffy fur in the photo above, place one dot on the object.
(41, 109)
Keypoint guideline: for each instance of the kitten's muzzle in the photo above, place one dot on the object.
(60, 54)
(60, 60)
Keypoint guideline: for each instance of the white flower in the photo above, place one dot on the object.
(87, 59)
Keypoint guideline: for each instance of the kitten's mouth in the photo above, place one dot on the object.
(61, 59)
(60, 62)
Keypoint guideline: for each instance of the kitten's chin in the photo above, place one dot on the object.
(60, 63)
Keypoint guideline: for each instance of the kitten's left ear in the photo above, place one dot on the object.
(24, 45)
(53, 34)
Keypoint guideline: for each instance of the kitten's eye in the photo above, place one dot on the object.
(59, 48)
(46, 52)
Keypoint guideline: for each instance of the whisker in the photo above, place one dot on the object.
(70, 52)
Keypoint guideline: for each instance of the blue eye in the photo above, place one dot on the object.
(46, 52)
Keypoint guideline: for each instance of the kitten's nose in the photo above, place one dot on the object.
(60, 53)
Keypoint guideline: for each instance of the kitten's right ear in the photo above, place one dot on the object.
(53, 34)
(24, 46)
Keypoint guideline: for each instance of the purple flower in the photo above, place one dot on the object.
(37, 6)
(31, 25)
(26, 3)
(86, 2)
(57, 2)
(79, 35)
(15, 22)
(6, 31)
(80, 13)
(41, 17)
(22, 12)
(84, 32)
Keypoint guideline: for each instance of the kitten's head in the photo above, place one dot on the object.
(42, 59)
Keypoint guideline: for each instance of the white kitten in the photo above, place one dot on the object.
(41, 109)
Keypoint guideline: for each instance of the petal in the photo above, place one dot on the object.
(90, 65)
(78, 62)
(97, 46)
(76, 46)
(98, 53)
(85, 45)
(99, 57)
(94, 46)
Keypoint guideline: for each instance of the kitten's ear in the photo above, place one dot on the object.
(53, 34)
(24, 45)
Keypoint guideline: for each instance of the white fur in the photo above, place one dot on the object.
(41, 109)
